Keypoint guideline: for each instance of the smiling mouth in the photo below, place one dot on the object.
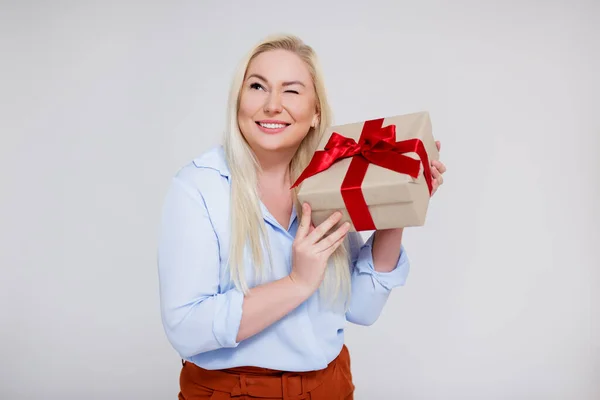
(272, 125)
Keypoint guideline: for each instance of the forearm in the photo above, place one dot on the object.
(386, 249)
(268, 303)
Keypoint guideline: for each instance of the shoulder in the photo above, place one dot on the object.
(207, 173)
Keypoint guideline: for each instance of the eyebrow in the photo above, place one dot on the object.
(288, 83)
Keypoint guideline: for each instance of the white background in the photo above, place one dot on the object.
(101, 102)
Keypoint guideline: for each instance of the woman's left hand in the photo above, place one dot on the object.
(437, 170)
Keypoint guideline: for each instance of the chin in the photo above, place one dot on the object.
(276, 145)
(276, 142)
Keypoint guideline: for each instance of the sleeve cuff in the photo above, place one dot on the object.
(228, 316)
(385, 280)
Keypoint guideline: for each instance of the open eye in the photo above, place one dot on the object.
(256, 86)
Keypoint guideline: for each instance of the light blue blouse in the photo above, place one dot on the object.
(201, 308)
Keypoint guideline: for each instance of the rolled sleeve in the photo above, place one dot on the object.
(382, 281)
(371, 288)
(228, 316)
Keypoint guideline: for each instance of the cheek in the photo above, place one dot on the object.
(302, 110)
(250, 103)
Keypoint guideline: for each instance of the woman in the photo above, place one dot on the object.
(253, 297)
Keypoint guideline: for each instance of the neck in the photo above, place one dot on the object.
(275, 170)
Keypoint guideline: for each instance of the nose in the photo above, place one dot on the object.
(273, 104)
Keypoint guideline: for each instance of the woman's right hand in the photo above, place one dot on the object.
(311, 251)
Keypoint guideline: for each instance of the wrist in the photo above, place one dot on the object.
(303, 290)
(387, 245)
(393, 233)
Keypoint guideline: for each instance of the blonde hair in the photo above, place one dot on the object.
(247, 224)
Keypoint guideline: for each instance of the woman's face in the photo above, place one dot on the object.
(277, 102)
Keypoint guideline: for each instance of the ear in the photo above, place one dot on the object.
(315, 121)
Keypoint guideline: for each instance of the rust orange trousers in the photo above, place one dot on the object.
(244, 383)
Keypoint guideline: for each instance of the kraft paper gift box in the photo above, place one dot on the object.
(376, 172)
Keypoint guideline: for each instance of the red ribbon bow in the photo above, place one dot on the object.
(377, 145)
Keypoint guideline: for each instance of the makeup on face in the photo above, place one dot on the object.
(277, 102)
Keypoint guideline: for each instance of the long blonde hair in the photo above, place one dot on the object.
(247, 224)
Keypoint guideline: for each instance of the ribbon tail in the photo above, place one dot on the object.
(396, 162)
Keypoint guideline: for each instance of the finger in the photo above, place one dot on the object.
(305, 222)
(335, 245)
(437, 176)
(439, 165)
(439, 180)
(434, 179)
(438, 144)
(333, 238)
(324, 227)
(435, 187)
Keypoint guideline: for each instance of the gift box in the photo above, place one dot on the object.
(376, 172)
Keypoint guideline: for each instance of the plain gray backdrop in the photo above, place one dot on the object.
(101, 102)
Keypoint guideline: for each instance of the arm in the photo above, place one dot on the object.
(378, 266)
(310, 251)
(387, 245)
(268, 303)
(196, 317)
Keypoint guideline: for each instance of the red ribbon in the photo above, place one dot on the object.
(377, 145)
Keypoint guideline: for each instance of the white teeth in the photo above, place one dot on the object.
(272, 126)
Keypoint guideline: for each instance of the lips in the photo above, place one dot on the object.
(271, 126)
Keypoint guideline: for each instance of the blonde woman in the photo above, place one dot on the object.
(253, 297)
